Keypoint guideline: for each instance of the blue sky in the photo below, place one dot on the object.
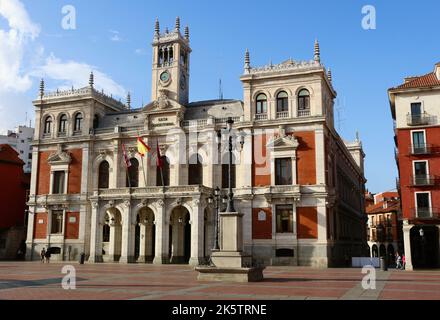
(114, 38)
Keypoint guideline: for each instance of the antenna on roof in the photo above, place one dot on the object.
(220, 90)
(25, 119)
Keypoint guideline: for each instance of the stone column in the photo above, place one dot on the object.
(322, 222)
(142, 242)
(128, 235)
(162, 236)
(149, 241)
(30, 234)
(407, 245)
(320, 156)
(197, 226)
(95, 235)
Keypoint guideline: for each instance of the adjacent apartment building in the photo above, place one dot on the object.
(415, 108)
(298, 184)
(21, 140)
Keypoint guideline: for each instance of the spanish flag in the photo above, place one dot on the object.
(142, 147)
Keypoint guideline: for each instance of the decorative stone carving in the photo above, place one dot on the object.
(162, 101)
(160, 203)
(59, 157)
(195, 202)
(127, 203)
(95, 204)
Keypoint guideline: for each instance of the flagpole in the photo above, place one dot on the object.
(160, 164)
(142, 164)
(126, 167)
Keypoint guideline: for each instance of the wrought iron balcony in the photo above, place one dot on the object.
(425, 180)
(420, 149)
(419, 119)
(425, 213)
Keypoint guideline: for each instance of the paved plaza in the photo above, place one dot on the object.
(30, 280)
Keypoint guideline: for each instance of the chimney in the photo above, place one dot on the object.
(437, 70)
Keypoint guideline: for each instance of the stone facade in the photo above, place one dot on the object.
(298, 185)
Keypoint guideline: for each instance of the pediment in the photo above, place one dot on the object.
(286, 142)
(59, 157)
(163, 104)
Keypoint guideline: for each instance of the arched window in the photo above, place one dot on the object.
(133, 174)
(225, 171)
(304, 103)
(63, 124)
(165, 173)
(78, 122)
(96, 122)
(103, 175)
(282, 102)
(48, 125)
(261, 106)
(195, 170)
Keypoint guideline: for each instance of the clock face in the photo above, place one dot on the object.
(165, 76)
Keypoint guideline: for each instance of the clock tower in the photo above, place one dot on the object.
(171, 53)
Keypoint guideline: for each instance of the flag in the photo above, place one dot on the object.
(159, 162)
(126, 160)
(142, 147)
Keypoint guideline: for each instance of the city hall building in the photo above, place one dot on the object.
(298, 184)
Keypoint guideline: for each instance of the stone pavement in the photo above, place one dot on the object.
(33, 280)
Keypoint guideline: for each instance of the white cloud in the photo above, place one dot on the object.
(141, 52)
(72, 73)
(115, 36)
(22, 58)
(13, 44)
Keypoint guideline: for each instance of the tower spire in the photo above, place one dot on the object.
(178, 24)
(91, 80)
(157, 28)
(41, 88)
(247, 62)
(129, 100)
(187, 33)
(317, 52)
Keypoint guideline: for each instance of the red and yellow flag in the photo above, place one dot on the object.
(142, 147)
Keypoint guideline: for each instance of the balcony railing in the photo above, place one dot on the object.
(303, 113)
(420, 119)
(425, 213)
(261, 116)
(420, 149)
(423, 180)
(282, 114)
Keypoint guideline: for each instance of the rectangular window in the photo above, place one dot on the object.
(416, 109)
(57, 222)
(420, 168)
(418, 139)
(283, 171)
(284, 216)
(423, 209)
(58, 182)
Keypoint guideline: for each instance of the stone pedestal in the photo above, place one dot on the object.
(231, 263)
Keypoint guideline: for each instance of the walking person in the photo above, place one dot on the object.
(47, 255)
(398, 261)
(403, 261)
(43, 255)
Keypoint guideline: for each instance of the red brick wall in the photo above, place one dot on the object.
(307, 222)
(40, 230)
(43, 174)
(72, 229)
(306, 160)
(12, 195)
(261, 167)
(75, 169)
(406, 169)
(261, 229)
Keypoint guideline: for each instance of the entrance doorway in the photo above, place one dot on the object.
(180, 236)
(145, 238)
(425, 247)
